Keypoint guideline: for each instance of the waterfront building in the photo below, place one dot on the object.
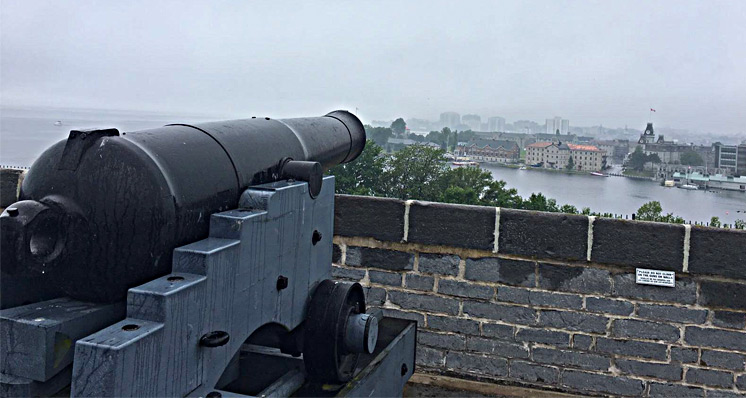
(726, 157)
(716, 181)
(473, 121)
(497, 151)
(450, 119)
(556, 155)
(496, 123)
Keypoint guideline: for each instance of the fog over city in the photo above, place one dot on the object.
(590, 62)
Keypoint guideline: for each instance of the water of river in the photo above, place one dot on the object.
(25, 133)
(622, 195)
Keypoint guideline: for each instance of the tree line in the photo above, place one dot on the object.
(419, 172)
(445, 138)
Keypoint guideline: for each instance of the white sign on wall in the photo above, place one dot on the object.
(655, 277)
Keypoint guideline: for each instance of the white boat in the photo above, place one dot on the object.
(597, 174)
(669, 183)
(522, 168)
(58, 123)
(689, 187)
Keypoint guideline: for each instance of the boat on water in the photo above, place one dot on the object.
(689, 187)
(58, 123)
(597, 174)
(522, 168)
(669, 183)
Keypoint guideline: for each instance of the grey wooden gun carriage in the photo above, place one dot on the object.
(190, 261)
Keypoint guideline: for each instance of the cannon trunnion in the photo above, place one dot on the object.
(228, 293)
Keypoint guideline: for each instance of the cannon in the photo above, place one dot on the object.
(190, 260)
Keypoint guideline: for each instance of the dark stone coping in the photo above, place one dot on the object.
(638, 244)
(379, 218)
(453, 225)
(718, 251)
(543, 235)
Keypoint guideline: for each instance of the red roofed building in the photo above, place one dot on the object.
(556, 155)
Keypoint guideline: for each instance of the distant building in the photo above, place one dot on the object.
(557, 124)
(473, 121)
(715, 181)
(521, 139)
(526, 126)
(539, 137)
(726, 157)
(498, 151)
(670, 152)
(450, 119)
(615, 149)
(556, 155)
(496, 124)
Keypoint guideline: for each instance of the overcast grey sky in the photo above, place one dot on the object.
(592, 62)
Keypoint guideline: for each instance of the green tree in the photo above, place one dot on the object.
(637, 159)
(652, 211)
(740, 224)
(570, 163)
(539, 202)
(438, 137)
(471, 183)
(497, 194)
(654, 158)
(379, 135)
(416, 137)
(466, 136)
(362, 176)
(569, 209)
(399, 127)
(691, 158)
(715, 222)
(415, 172)
(460, 195)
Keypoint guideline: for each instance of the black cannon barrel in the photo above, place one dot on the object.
(102, 211)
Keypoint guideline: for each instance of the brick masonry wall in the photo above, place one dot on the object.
(550, 300)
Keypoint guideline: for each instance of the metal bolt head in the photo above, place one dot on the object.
(282, 282)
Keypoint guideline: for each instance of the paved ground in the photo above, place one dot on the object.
(422, 390)
(433, 385)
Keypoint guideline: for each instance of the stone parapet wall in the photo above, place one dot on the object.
(550, 300)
